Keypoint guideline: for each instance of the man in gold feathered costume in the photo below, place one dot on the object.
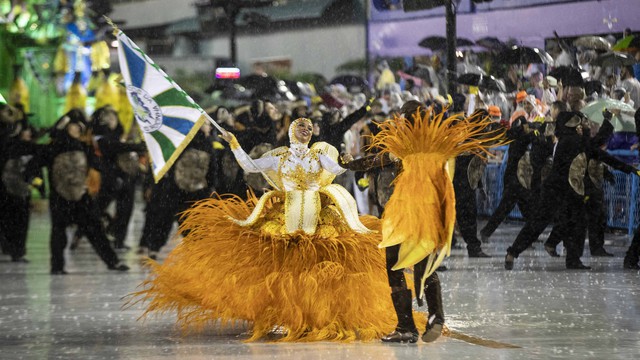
(418, 218)
(300, 257)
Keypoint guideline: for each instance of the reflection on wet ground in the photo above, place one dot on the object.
(547, 311)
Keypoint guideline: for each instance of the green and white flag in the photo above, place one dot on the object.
(167, 116)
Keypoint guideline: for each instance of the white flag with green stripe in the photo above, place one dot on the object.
(167, 116)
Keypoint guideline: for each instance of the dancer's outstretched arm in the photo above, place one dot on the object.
(248, 164)
(330, 165)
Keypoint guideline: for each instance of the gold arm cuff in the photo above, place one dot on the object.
(234, 144)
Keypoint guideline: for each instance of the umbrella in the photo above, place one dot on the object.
(622, 122)
(593, 86)
(613, 59)
(440, 42)
(421, 72)
(593, 42)
(628, 43)
(482, 81)
(569, 75)
(261, 86)
(491, 43)
(470, 79)
(524, 55)
(353, 83)
(465, 68)
(491, 83)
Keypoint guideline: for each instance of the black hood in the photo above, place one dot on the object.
(100, 127)
(561, 123)
(59, 129)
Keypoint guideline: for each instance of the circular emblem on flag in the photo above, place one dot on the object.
(145, 109)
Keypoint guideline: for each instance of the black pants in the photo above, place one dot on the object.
(163, 209)
(633, 253)
(595, 217)
(558, 232)
(14, 224)
(85, 214)
(466, 211)
(571, 223)
(513, 193)
(432, 288)
(563, 231)
(122, 191)
(160, 214)
(3, 243)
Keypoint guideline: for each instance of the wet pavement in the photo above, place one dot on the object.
(539, 310)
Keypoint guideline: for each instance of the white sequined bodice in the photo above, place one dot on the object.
(300, 173)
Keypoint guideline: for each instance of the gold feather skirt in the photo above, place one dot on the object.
(329, 286)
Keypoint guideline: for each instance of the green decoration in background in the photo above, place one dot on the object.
(30, 34)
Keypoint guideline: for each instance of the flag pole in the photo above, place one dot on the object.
(110, 22)
(214, 123)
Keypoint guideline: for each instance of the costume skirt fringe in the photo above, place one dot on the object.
(316, 288)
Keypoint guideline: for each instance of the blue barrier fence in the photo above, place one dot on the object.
(620, 196)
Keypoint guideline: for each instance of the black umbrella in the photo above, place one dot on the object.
(353, 83)
(261, 87)
(470, 79)
(524, 55)
(491, 43)
(440, 42)
(613, 59)
(569, 75)
(593, 86)
(299, 89)
(481, 81)
(491, 83)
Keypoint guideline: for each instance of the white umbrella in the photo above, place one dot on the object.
(622, 122)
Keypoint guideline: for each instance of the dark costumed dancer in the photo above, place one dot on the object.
(119, 170)
(562, 192)
(632, 257)
(68, 160)
(190, 179)
(16, 156)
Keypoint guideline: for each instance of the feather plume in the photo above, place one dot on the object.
(420, 215)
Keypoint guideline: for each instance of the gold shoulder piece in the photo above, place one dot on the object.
(326, 149)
